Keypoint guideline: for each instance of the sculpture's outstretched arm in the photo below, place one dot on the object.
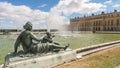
(34, 37)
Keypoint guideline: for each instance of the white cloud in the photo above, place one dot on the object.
(108, 2)
(55, 17)
(68, 7)
(116, 6)
(43, 5)
(20, 14)
(77, 6)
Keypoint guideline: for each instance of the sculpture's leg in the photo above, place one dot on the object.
(56, 47)
(26, 50)
(7, 60)
(56, 43)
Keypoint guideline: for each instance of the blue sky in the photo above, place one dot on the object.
(50, 13)
(34, 4)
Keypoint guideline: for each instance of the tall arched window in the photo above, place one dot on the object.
(96, 23)
(118, 15)
(108, 23)
(104, 24)
(117, 23)
(99, 23)
(111, 22)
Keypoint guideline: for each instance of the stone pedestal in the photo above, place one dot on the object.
(42, 61)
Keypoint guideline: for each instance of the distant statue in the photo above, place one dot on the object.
(26, 39)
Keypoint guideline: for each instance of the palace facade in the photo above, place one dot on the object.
(101, 22)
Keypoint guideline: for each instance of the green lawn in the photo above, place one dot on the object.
(109, 58)
(75, 41)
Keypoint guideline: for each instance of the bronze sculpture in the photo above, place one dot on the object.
(26, 40)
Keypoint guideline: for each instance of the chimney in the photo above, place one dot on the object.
(102, 12)
(115, 10)
(92, 14)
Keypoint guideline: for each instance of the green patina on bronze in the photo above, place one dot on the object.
(44, 45)
(27, 38)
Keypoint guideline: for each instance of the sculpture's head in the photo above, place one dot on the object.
(28, 26)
